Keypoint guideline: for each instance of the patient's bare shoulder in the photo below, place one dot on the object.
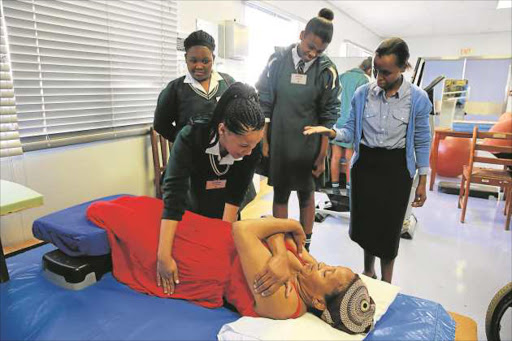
(279, 307)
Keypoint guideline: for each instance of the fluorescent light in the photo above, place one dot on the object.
(504, 4)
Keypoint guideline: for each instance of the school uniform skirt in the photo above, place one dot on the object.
(381, 185)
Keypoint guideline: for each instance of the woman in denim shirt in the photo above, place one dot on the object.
(389, 128)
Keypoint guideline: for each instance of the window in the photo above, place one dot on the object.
(350, 49)
(267, 30)
(487, 78)
(9, 137)
(434, 68)
(88, 70)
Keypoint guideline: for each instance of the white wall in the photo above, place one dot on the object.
(489, 44)
(215, 11)
(345, 28)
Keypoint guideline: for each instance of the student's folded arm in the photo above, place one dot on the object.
(166, 113)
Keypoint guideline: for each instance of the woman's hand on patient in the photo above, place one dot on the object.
(275, 274)
(167, 274)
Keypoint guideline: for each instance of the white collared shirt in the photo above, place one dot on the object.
(226, 160)
(215, 77)
(296, 59)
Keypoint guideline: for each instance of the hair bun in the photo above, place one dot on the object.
(326, 14)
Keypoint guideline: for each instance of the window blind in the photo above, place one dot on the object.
(9, 137)
(88, 70)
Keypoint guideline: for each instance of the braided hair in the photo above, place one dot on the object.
(321, 25)
(199, 38)
(239, 110)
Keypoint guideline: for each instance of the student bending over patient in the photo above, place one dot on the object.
(222, 261)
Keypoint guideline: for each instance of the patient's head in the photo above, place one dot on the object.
(340, 296)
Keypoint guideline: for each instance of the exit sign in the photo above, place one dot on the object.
(466, 51)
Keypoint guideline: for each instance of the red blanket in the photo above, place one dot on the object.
(203, 249)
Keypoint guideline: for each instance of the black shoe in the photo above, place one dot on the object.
(319, 217)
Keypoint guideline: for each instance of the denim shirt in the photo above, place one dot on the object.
(417, 139)
(385, 119)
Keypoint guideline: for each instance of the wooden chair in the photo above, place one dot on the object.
(160, 147)
(487, 176)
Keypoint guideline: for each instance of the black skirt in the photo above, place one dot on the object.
(381, 185)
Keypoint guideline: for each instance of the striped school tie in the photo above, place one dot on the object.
(300, 67)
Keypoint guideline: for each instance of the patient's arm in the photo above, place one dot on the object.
(277, 270)
(306, 256)
(272, 277)
(254, 256)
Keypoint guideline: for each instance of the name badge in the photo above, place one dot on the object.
(216, 184)
(298, 78)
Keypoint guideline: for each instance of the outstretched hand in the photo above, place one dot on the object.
(310, 130)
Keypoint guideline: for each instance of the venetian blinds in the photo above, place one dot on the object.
(9, 137)
(88, 70)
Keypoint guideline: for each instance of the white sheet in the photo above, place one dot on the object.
(307, 327)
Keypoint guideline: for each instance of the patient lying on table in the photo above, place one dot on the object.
(218, 260)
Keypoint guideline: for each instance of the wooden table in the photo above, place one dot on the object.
(439, 134)
(14, 198)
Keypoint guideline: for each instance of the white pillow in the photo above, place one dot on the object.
(308, 326)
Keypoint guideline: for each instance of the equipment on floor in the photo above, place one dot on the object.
(336, 206)
(75, 273)
(476, 191)
(453, 154)
(500, 303)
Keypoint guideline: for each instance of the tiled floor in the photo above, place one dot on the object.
(458, 265)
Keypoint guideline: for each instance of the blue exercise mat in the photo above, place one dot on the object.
(72, 233)
(32, 308)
